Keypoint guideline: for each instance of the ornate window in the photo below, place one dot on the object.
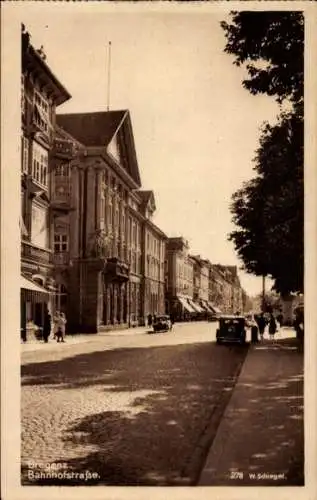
(25, 155)
(61, 242)
(22, 95)
(41, 102)
(62, 170)
(39, 165)
(39, 228)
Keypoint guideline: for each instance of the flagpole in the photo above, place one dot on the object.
(109, 76)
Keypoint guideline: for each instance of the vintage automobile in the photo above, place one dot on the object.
(162, 323)
(231, 329)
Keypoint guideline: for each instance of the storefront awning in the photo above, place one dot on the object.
(185, 304)
(32, 292)
(195, 306)
(204, 306)
(214, 308)
(26, 284)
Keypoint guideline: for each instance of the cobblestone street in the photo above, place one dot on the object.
(133, 410)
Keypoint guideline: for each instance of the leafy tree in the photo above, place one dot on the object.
(272, 46)
(269, 209)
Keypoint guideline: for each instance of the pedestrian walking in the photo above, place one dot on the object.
(149, 320)
(261, 321)
(59, 326)
(254, 330)
(63, 322)
(47, 323)
(171, 321)
(272, 326)
(299, 323)
(280, 319)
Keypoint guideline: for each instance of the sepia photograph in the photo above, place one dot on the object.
(159, 186)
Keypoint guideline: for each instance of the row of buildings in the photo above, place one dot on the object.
(89, 246)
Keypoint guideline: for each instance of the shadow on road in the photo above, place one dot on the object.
(174, 397)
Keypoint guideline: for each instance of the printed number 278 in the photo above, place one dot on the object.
(236, 475)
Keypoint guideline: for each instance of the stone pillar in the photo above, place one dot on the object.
(108, 303)
(89, 294)
(121, 303)
(100, 299)
(115, 303)
(125, 302)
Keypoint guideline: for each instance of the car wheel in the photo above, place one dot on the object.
(218, 341)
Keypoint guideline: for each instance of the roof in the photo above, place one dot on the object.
(92, 129)
(31, 57)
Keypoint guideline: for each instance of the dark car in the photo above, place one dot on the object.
(231, 329)
(162, 323)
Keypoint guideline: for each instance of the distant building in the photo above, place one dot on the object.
(201, 285)
(179, 279)
(153, 259)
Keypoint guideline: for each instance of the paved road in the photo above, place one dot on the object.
(132, 410)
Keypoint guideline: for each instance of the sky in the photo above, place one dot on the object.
(195, 127)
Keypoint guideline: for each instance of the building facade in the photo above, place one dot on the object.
(181, 280)
(201, 285)
(153, 260)
(41, 93)
(113, 273)
(225, 289)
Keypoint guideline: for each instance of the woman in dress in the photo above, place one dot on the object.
(272, 326)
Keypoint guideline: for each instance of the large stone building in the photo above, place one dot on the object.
(114, 272)
(41, 93)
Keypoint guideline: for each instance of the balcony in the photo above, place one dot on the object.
(35, 254)
(61, 197)
(63, 149)
(116, 270)
(60, 259)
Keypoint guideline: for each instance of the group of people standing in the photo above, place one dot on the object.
(261, 322)
(58, 326)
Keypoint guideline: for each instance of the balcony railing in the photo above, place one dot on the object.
(61, 258)
(36, 254)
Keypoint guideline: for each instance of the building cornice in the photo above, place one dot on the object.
(100, 151)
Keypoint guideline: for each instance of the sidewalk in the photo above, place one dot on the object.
(260, 440)
(80, 338)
